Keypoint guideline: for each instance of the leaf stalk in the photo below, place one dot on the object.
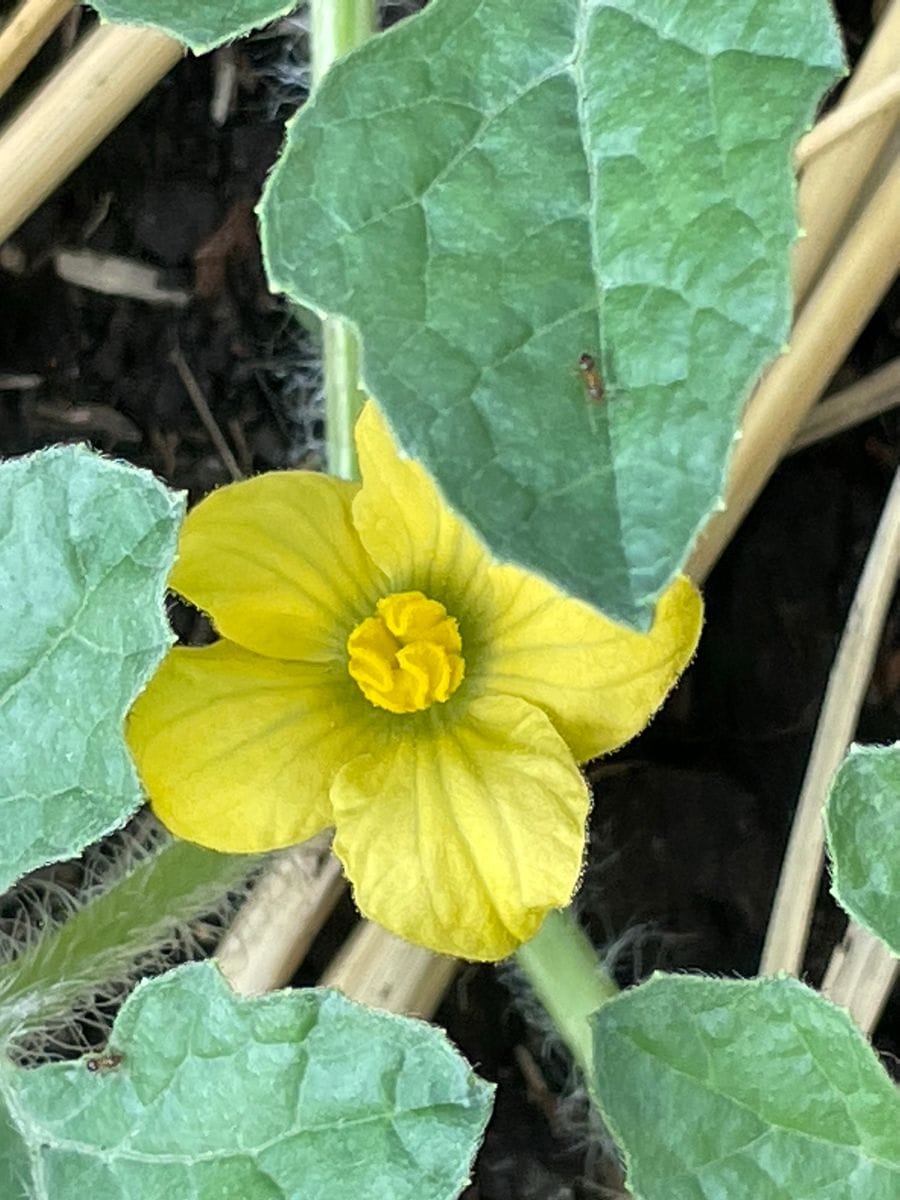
(336, 28)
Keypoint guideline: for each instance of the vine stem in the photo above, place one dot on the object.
(562, 967)
(336, 28)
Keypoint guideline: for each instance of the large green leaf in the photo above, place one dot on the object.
(495, 188)
(725, 1090)
(200, 24)
(288, 1096)
(85, 548)
(862, 819)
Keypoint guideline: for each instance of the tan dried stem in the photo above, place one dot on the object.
(23, 34)
(847, 294)
(833, 183)
(869, 397)
(846, 117)
(275, 928)
(377, 968)
(802, 868)
(861, 976)
(204, 412)
(100, 82)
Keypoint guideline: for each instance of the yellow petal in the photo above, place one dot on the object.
(278, 565)
(237, 752)
(599, 682)
(408, 529)
(463, 839)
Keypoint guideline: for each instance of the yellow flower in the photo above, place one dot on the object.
(379, 672)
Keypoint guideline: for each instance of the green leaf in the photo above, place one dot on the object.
(496, 187)
(15, 1168)
(85, 549)
(862, 821)
(726, 1090)
(201, 24)
(292, 1095)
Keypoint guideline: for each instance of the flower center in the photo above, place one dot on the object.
(407, 657)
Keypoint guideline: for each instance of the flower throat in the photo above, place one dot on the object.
(408, 656)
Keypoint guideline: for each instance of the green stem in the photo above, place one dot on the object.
(99, 943)
(337, 27)
(343, 397)
(562, 967)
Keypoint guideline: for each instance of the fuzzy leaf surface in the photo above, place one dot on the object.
(862, 820)
(495, 188)
(15, 1168)
(279, 1097)
(86, 546)
(758, 1090)
(202, 24)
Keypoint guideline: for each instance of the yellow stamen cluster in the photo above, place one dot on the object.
(407, 657)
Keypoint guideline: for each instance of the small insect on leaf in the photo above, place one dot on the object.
(590, 377)
(103, 1063)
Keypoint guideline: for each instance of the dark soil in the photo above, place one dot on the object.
(690, 820)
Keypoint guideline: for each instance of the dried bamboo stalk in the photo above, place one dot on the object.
(25, 32)
(845, 118)
(99, 83)
(861, 401)
(846, 296)
(275, 928)
(379, 969)
(802, 867)
(861, 976)
(833, 182)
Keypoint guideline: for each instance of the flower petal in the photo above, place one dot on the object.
(599, 682)
(408, 529)
(236, 751)
(278, 565)
(462, 839)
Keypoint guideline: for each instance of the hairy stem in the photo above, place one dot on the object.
(99, 943)
(562, 967)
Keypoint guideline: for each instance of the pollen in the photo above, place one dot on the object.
(408, 656)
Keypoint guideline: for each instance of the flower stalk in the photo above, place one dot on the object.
(561, 965)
